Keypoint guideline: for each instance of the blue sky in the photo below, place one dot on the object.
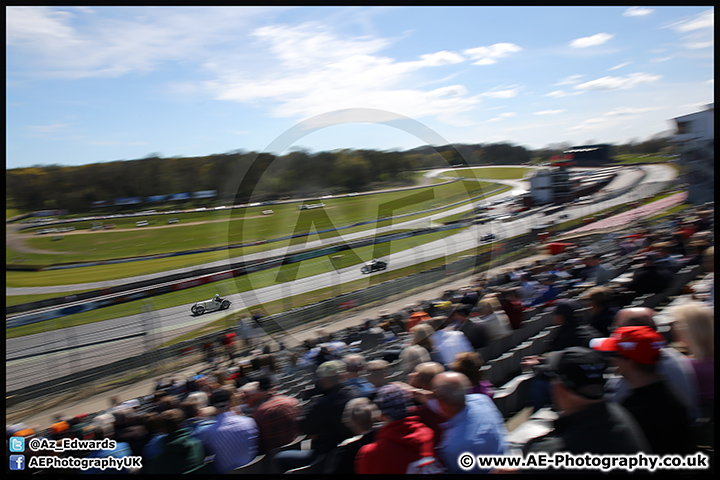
(97, 84)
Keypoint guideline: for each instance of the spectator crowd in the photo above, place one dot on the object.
(627, 367)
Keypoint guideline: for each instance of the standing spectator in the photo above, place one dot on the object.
(469, 364)
(228, 341)
(355, 365)
(637, 353)
(180, 452)
(587, 423)
(513, 307)
(233, 439)
(277, 417)
(472, 425)
(400, 442)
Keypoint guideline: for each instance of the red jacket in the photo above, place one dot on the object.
(397, 444)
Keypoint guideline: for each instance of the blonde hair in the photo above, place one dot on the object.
(694, 323)
(489, 305)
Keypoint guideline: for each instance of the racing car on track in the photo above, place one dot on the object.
(211, 305)
(373, 266)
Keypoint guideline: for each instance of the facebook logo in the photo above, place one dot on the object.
(17, 444)
(17, 462)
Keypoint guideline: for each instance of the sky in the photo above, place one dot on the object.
(98, 84)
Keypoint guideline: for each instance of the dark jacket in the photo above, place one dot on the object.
(662, 416)
(573, 334)
(180, 453)
(602, 428)
(324, 418)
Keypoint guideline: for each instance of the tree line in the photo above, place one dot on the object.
(240, 176)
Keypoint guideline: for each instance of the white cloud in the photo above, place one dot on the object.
(561, 93)
(548, 112)
(612, 118)
(615, 83)
(312, 70)
(505, 93)
(700, 21)
(570, 80)
(441, 58)
(502, 116)
(489, 55)
(591, 41)
(616, 67)
(637, 12)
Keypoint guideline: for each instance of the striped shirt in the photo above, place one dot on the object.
(233, 439)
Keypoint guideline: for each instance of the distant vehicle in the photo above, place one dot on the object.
(173, 220)
(563, 216)
(142, 223)
(267, 212)
(487, 237)
(373, 266)
(211, 305)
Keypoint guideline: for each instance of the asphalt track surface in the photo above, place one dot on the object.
(96, 344)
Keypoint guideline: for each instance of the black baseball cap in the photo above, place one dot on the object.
(580, 369)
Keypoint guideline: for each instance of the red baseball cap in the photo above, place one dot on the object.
(639, 344)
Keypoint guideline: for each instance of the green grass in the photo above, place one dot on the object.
(499, 173)
(142, 241)
(20, 299)
(255, 280)
(632, 158)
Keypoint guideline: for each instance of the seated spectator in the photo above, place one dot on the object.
(475, 332)
(418, 315)
(586, 423)
(371, 338)
(469, 364)
(419, 386)
(673, 367)
(512, 306)
(400, 442)
(105, 429)
(232, 438)
(472, 425)
(180, 452)
(129, 430)
(377, 373)
(422, 336)
(694, 326)
(322, 420)
(650, 277)
(449, 342)
(412, 356)
(277, 416)
(571, 333)
(547, 293)
(636, 353)
(601, 313)
(495, 323)
(355, 366)
(528, 287)
(361, 416)
(595, 271)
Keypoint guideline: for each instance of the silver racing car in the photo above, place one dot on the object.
(211, 305)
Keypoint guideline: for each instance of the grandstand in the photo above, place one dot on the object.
(619, 251)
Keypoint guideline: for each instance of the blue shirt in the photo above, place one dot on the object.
(233, 439)
(477, 429)
(366, 388)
